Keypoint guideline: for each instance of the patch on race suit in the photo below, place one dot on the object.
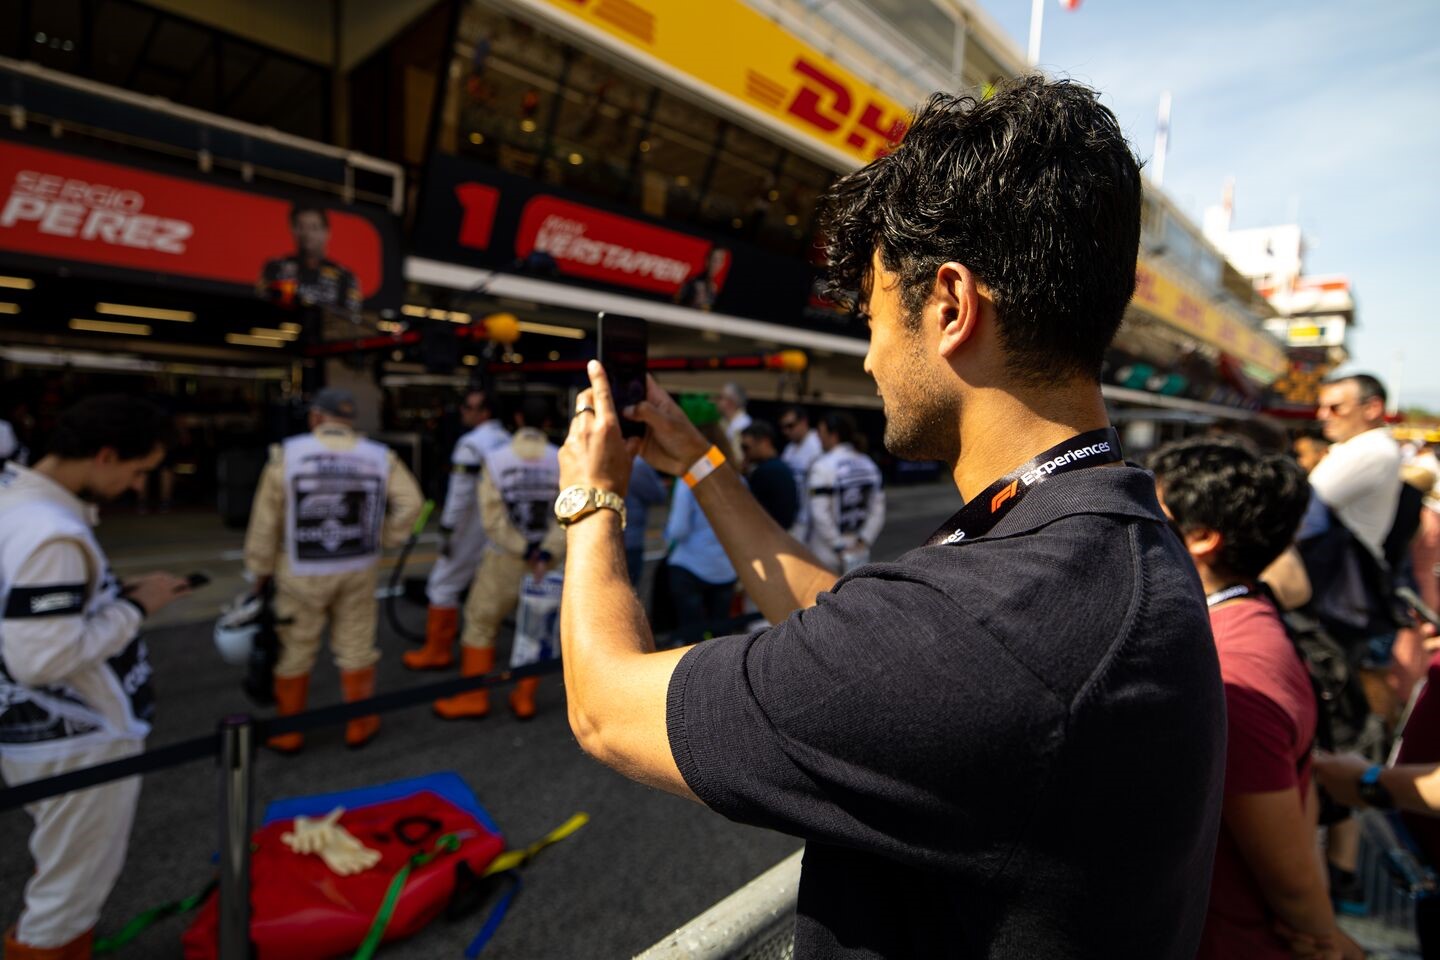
(46, 600)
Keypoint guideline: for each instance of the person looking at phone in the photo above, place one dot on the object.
(75, 686)
(1008, 743)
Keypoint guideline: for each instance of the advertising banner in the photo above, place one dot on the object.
(476, 215)
(737, 53)
(1167, 298)
(88, 213)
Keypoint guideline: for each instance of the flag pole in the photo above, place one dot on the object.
(1162, 140)
(1037, 18)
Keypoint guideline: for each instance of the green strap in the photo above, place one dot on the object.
(139, 924)
(448, 843)
(423, 519)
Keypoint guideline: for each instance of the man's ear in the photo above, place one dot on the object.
(107, 457)
(954, 306)
(1204, 545)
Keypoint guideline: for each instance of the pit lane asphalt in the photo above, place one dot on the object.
(646, 863)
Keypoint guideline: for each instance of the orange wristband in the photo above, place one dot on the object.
(703, 467)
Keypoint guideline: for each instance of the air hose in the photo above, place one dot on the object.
(397, 576)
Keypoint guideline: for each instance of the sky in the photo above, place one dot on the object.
(1326, 113)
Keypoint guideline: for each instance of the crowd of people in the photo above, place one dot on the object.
(1086, 718)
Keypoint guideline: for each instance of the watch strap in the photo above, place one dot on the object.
(1372, 791)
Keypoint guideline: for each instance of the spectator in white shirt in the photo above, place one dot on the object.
(800, 454)
(1359, 480)
(731, 404)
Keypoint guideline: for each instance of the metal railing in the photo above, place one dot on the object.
(32, 94)
(756, 922)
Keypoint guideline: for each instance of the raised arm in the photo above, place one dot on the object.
(780, 574)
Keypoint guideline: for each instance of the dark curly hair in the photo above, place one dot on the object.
(1033, 188)
(1254, 501)
(131, 426)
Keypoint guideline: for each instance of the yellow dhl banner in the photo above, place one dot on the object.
(1160, 295)
(733, 50)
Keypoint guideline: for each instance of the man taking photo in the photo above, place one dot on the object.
(1009, 742)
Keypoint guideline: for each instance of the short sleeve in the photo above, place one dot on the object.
(1261, 747)
(853, 721)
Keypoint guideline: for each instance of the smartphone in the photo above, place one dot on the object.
(624, 349)
(197, 580)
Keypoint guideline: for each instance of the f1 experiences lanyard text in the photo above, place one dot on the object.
(979, 516)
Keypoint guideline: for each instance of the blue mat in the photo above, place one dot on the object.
(447, 784)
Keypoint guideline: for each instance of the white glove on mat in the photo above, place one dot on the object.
(325, 838)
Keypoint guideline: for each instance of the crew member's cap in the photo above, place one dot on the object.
(336, 402)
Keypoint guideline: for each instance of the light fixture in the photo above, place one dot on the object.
(390, 326)
(682, 181)
(243, 340)
(737, 223)
(527, 125)
(470, 360)
(576, 159)
(516, 358)
(456, 316)
(109, 326)
(477, 138)
(549, 329)
(554, 355)
(791, 220)
(435, 313)
(144, 313)
(266, 333)
(17, 283)
(413, 310)
(291, 327)
(773, 195)
(644, 146)
(9, 308)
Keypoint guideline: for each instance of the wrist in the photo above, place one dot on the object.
(710, 460)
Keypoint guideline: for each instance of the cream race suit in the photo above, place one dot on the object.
(464, 537)
(328, 504)
(74, 692)
(518, 487)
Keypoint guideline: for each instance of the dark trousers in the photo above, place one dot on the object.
(697, 601)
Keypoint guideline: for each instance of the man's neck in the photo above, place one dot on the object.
(1000, 430)
(69, 474)
(1213, 581)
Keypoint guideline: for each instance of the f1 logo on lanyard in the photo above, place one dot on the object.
(979, 516)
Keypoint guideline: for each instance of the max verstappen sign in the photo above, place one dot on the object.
(477, 215)
(85, 212)
(601, 246)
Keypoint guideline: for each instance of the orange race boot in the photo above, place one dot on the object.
(522, 698)
(441, 625)
(290, 694)
(78, 949)
(474, 704)
(359, 685)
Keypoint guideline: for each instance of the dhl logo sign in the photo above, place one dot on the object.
(734, 50)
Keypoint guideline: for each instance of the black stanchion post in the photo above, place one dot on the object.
(237, 757)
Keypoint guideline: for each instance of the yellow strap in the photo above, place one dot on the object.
(511, 859)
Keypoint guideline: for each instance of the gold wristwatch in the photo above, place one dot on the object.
(576, 503)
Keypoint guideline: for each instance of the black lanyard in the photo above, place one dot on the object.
(979, 516)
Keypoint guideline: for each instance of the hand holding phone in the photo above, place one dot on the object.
(623, 348)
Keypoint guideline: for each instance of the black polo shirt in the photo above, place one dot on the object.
(1011, 747)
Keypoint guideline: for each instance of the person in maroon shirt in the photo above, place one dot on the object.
(1236, 511)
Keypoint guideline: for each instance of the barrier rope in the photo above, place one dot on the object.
(197, 748)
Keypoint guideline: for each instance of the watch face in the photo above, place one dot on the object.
(571, 501)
